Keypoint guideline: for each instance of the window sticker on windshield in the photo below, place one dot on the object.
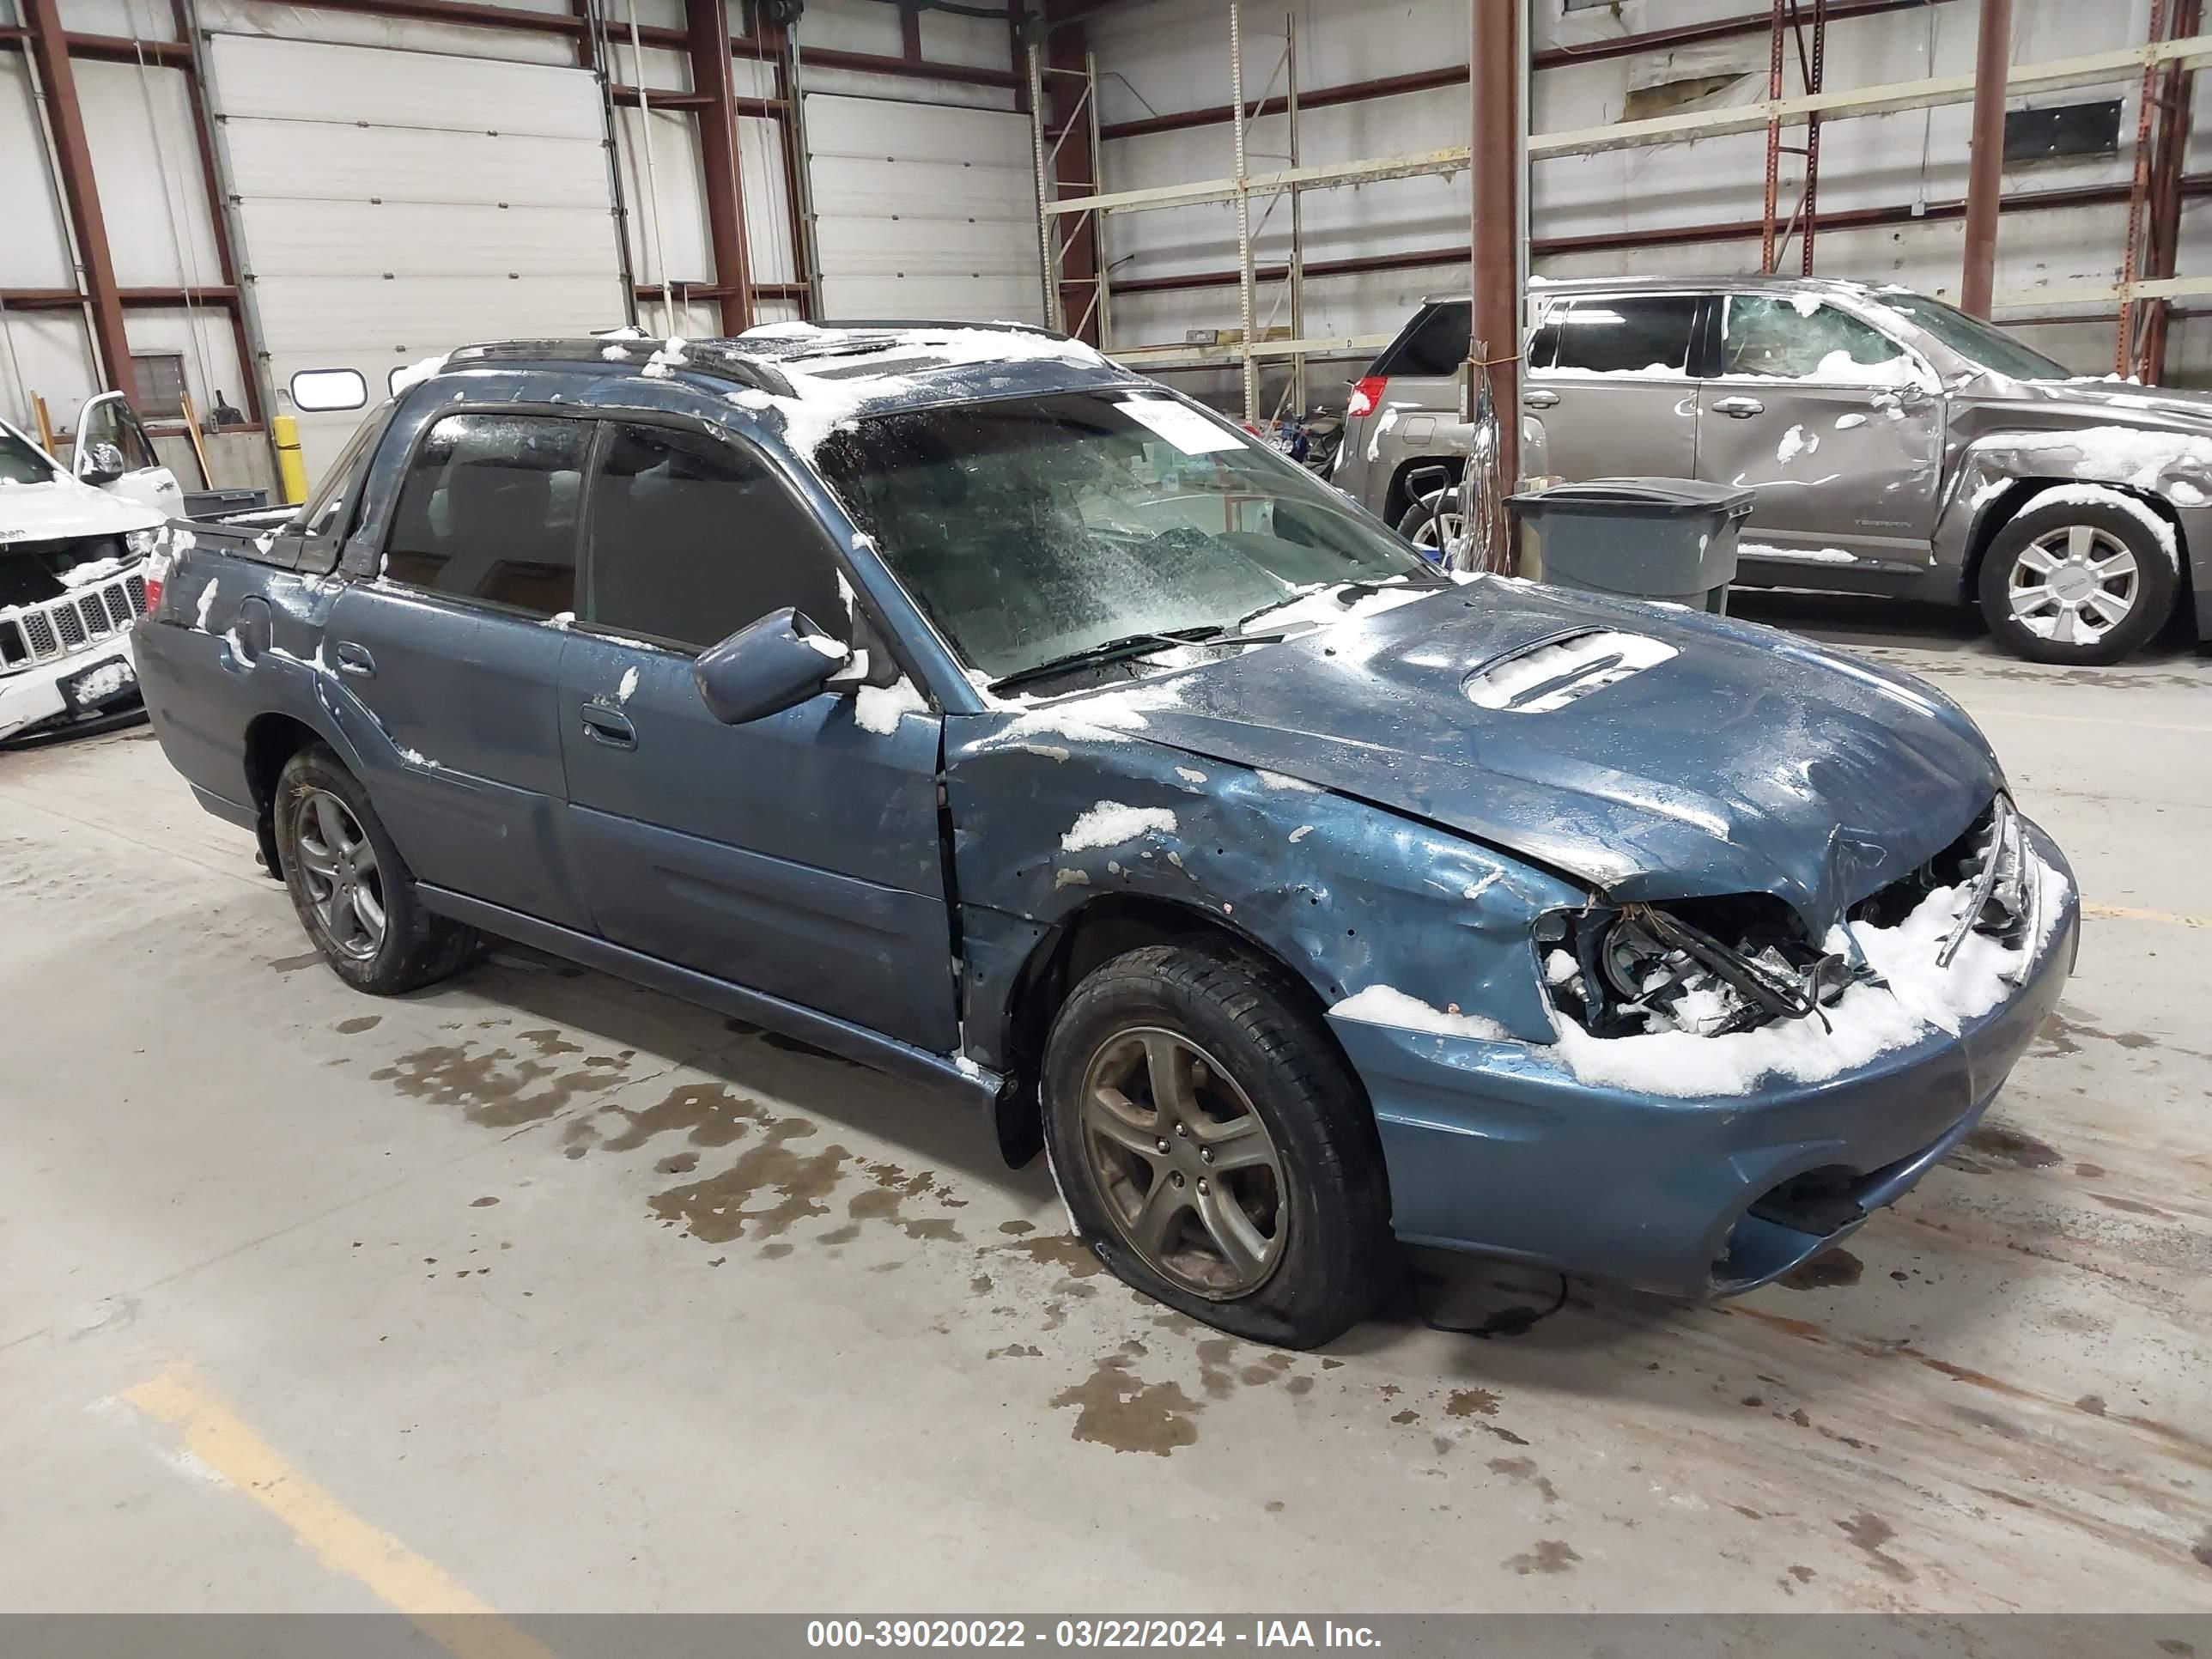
(1186, 428)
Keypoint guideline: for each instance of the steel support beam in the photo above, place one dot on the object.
(1071, 97)
(707, 25)
(73, 152)
(2177, 101)
(1494, 233)
(1986, 165)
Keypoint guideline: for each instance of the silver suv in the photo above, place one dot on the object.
(1895, 444)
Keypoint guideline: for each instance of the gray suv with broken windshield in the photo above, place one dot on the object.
(1895, 445)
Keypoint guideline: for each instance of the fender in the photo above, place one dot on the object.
(2164, 468)
(1344, 893)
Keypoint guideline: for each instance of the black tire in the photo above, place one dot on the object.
(413, 948)
(1418, 524)
(1329, 1238)
(2149, 594)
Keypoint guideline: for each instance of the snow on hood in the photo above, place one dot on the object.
(1736, 759)
(61, 507)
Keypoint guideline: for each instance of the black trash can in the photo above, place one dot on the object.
(1637, 539)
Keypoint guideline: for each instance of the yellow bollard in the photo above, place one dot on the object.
(291, 470)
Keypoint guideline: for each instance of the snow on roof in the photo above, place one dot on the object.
(836, 372)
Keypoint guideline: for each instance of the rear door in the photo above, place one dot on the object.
(1837, 428)
(114, 454)
(1609, 382)
(454, 654)
(797, 854)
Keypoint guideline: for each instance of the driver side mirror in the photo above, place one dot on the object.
(768, 665)
(105, 465)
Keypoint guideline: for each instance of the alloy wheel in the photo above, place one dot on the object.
(338, 867)
(1440, 530)
(1189, 1173)
(2074, 584)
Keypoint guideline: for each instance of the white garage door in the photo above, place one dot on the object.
(395, 205)
(923, 210)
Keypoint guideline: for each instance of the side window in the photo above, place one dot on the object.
(1800, 338)
(692, 538)
(111, 421)
(489, 511)
(1646, 334)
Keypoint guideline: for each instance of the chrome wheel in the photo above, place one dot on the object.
(1187, 1168)
(2074, 584)
(339, 868)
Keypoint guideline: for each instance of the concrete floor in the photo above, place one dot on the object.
(539, 1292)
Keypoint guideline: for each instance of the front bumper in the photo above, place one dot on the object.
(50, 651)
(45, 694)
(1494, 1147)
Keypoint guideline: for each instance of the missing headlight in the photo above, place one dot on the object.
(1706, 966)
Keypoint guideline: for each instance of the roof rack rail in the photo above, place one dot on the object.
(716, 357)
(898, 323)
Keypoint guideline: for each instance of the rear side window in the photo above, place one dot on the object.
(1644, 334)
(489, 511)
(692, 537)
(1435, 345)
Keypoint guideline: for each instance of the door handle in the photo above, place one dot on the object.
(355, 660)
(1740, 409)
(1539, 399)
(608, 727)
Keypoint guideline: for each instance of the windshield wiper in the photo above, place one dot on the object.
(1345, 592)
(1114, 650)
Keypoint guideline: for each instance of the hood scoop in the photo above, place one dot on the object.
(1553, 672)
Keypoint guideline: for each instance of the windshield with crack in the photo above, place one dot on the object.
(1037, 529)
(1976, 341)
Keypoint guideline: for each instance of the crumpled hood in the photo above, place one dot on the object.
(2108, 402)
(1743, 760)
(63, 507)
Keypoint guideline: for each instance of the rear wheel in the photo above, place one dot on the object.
(354, 893)
(1213, 1148)
(2078, 582)
(1434, 522)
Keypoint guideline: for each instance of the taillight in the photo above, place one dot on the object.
(155, 572)
(1366, 396)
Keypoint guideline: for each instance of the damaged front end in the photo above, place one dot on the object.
(1725, 1093)
(1716, 967)
(66, 609)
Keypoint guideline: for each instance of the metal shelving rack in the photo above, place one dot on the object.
(1809, 110)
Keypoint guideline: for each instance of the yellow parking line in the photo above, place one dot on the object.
(1981, 709)
(441, 1608)
(2127, 912)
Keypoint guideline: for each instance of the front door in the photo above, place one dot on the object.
(451, 662)
(114, 454)
(797, 854)
(1837, 428)
(1609, 384)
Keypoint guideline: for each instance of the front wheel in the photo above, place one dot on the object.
(2083, 580)
(1214, 1149)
